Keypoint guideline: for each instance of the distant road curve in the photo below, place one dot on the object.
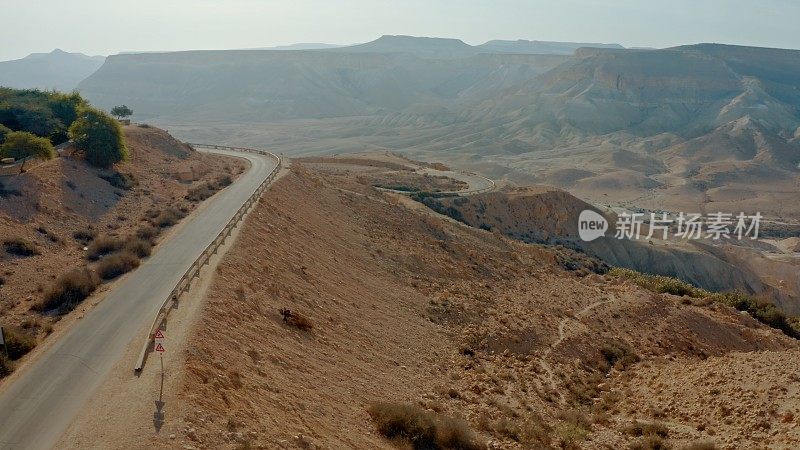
(38, 406)
(476, 184)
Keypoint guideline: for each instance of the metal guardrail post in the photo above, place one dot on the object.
(184, 284)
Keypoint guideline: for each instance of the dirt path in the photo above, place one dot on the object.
(561, 336)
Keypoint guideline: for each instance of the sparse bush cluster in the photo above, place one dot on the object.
(124, 181)
(167, 217)
(579, 262)
(206, 189)
(619, 355)
(761, 310)
(413, 427)
(18, 345)
(85, 235)
(651, 436)
(103, 245)
(20, 247)
(114, 257)
(117, 264)
(68, 291)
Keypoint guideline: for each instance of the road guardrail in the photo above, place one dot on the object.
(193, 271)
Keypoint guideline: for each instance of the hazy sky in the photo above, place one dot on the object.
(111, 26)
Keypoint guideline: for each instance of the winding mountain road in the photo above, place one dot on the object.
(38, 405)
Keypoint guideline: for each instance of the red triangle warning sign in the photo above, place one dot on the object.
(160, 348)
(159, 335)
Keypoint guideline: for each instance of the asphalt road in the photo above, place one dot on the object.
(39, 405)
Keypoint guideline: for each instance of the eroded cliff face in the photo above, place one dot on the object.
(549, 215)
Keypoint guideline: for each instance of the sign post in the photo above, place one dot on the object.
(158, 340)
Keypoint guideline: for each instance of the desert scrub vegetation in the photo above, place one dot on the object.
(760, 309)
(148, 233)
(20, 247)
(5, 366)
(117, 264)
(410, 426)
(68, 291)
(207, 189)
(103, 245)
(167, 218)
(18, 344)
(651, 436)
(85, 235)
(530, 431)
(124, 181)
(579, 262)
(139, 247)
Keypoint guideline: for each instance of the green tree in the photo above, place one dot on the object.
(4, 130)
(21, 144)
(99, 137)
(120, 112)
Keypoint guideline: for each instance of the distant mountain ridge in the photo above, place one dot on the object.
(58, 70)
(541, 47)
(703, 124)
(424, 47)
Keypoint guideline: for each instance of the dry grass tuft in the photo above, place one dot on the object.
(117, 264)
(18, 343)
(411, 426)
(103, 245)
(69, 290)
(139, 247)
(20, 247)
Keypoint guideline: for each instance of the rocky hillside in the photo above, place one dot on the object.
(547, 215)
(359, 301)
(65, 223)
(259, 85)
(696, 128)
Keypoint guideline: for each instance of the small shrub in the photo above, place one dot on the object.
(702, 445)
(638, 428)
(117, 264)
(618, 355)
(200, 193)
(421, 429)
(650, 442)
(69, 290)
(18, 343)
(85, 235)
(103, 245)
(296, 320)
(148, 233)
(5, 366)
(124, 181)
(660, 284)
(139, 247)
(20, 247)
(224, 181)
(167, 218)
